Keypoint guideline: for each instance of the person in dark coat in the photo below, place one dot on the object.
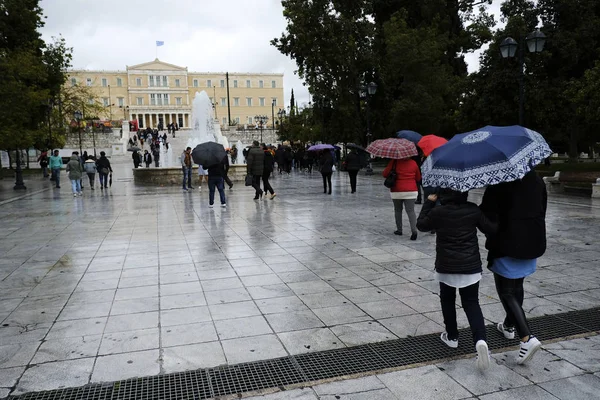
(520, 209)
(255, 165)
(458, 262)
(326, 169)
(156, 155)
(353, 165)
(280, 158)
(137, 160)
(147, 158)
(267, 170)
(104, 168)
(216, 173)
(225, 177)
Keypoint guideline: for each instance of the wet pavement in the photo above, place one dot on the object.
(136, 281)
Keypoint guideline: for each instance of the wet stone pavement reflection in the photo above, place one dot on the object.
(138, 281)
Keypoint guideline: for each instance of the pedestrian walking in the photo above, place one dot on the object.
(137, 160)
(326, 169)
(458, 263)
(353, 165)
(280, 158)
(75, 173)
(43, 161)
(156, 155)
(216, 173)
(202, 176)
(269, 161)
(234, 154)
(225, 177)
(56, 164)
(404, 192)
(186, 167)
(255, 166)
(90, 168)
(147, 158)
(103, 167)
(520, 209)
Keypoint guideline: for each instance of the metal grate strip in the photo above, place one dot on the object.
(281, 372)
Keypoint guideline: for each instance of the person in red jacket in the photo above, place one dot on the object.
(404, 192)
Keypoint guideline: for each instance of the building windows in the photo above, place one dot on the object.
(180, 121)
(105, 101)
(236, 101)
(235, 83)
(140, 101)
(249, 120)
(151, 80)
(165, 81)
(140, 121)
(249, 101)
(223, 101)
(261, 84)
(178, 100)
(88, 82)
(196, 83)
(121, 101)
(209, 83)
(236, 120)
(177, 83)
(273, 84)
(224, 121)
(138, 81)
(104, 82)
(248, 83)
(152, 99)
(274, 102)
(166, 96)
(73, 82)
(222, 83)
(119, 82)
(159, 99)
(261, 101)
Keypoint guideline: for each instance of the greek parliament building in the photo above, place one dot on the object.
(157, 92)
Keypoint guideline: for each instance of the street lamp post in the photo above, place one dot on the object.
(19, 184)
(281, 115)
(366, 93)
(78, 115)
(261, 120)
(508, 48)
(273, 115)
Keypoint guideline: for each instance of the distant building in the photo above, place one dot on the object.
(157, 92)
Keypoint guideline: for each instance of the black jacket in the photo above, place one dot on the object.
(520, 210)
(103, 163)
(326, 162)
(218, 170)
(255, 161)
(455, 221)
(353, 161)
(268, 163)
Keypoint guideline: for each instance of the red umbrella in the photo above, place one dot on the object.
(431, 142)
(397, 149)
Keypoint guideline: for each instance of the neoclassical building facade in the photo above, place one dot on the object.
(158, 92)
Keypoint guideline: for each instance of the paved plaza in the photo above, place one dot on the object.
(139, 281)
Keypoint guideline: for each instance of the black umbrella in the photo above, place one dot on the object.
(110, 181)
(134, 149)
(208, 154)
(355, 146)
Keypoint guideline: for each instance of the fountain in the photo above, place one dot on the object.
(204, 127)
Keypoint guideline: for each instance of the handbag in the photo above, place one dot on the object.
(104, 171)
(248, 181)
(391, 179)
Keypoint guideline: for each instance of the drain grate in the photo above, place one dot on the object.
(281, 372)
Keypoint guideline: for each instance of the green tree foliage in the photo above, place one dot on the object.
(557, 81)
(413, 50)
(31, 74)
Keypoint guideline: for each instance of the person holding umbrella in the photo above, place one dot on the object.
(216, 173)
(402, 174)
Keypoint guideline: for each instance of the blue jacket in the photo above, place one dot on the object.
(55, 162)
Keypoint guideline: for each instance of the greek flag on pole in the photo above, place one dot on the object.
(160, 43)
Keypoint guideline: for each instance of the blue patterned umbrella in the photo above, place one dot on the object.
(409, 135)
(487, 156)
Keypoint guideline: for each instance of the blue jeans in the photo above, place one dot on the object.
(218, 183)
(187, 176)
(103, 179)
(76, 185)
(56, 176)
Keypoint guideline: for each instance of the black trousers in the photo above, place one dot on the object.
(469, 297)
(326, 181)
(256, 185)
(228, 181)
(352, 175)
(266, 185)
(511, 295)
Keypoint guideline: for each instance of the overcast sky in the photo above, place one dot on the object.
(203, 35)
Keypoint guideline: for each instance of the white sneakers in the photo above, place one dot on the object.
(224, 205)
(528, 349)
(483, 355)
(508, 333)
(453, 343)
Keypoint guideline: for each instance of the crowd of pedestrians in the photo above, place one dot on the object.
(76, 167)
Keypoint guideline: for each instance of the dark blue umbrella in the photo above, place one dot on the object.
(487, 156)
(409, 135)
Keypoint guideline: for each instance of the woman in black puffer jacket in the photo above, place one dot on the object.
(458, 262)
